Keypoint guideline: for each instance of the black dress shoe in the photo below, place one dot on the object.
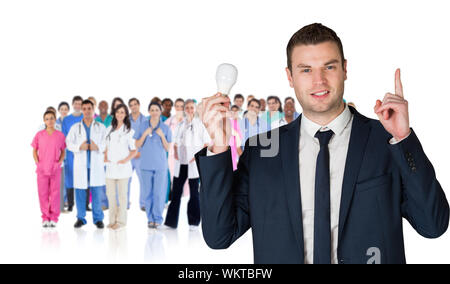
(100, 225)
(70, 209)
(79, 224)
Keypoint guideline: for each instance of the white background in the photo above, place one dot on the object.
(53, 50)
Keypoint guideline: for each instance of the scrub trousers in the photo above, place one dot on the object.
(49, 196)
(155, 189)
(81, 196)
(194, 201)
(62, 191)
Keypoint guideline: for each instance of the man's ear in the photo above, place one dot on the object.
(345, 69)
(289, 76)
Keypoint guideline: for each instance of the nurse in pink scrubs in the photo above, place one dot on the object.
(48, 153)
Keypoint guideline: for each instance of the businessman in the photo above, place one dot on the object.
(339, 184)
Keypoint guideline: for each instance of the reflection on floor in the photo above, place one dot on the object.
(133, 244)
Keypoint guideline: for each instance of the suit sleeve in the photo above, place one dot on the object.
(424, 204)
(223, 197)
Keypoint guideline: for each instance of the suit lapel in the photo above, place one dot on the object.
(356, 148)
(289, 150)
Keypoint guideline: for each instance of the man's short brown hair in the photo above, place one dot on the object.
(313, 34)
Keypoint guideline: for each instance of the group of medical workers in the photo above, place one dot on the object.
(86, 159)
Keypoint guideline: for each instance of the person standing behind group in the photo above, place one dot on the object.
(104, 116)
(262, 110)
(105, 119)
(86, 139)
(289, 110)
(167, 105)
(120, 149)
(63, 109)
(238, 101)
(136, 119)
(153, 139)
(275, 112)
(291, 99)
(190, 137)
(236, 137)
(48, 153)
(172, 122)
(94, 101)
(67, 124)
(115, 103)
(251, 124)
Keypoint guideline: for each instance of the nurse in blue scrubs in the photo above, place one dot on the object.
(153, 139)
(67, 123)
(136, 119)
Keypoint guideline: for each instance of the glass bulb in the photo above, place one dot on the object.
(226, 77)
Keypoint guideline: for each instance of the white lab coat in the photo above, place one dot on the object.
(194, 139)
(76, 137)
(119, 143)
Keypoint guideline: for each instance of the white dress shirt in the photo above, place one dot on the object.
(119, 143)
(308, 150)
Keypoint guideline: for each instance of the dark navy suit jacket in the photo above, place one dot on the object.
(382, 184)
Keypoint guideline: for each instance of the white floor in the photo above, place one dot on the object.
(22, 239)
(135, 244)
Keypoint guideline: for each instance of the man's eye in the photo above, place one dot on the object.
(330, 67)
(306, 70)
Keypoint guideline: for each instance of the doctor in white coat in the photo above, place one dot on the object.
(86, 140)
(190, 137)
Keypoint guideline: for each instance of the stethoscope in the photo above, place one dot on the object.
(95, 124)
(120, 135)
(153, 129)
(247, 128)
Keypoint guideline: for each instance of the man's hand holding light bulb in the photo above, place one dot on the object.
(215, 112)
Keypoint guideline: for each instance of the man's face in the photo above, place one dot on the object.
(239, 102)
(289, 109)
(103, 107)
(88, 111)
(134, 107)
(167, 106)
(318, 77)
(77, 106)
(263, 104)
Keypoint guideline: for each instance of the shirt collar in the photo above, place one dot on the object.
(337, 125)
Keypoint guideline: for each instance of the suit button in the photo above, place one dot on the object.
(413, 168)
(341, 261)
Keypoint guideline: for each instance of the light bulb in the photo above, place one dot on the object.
(226, 77)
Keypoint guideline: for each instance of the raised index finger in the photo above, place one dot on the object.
(398, 84)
